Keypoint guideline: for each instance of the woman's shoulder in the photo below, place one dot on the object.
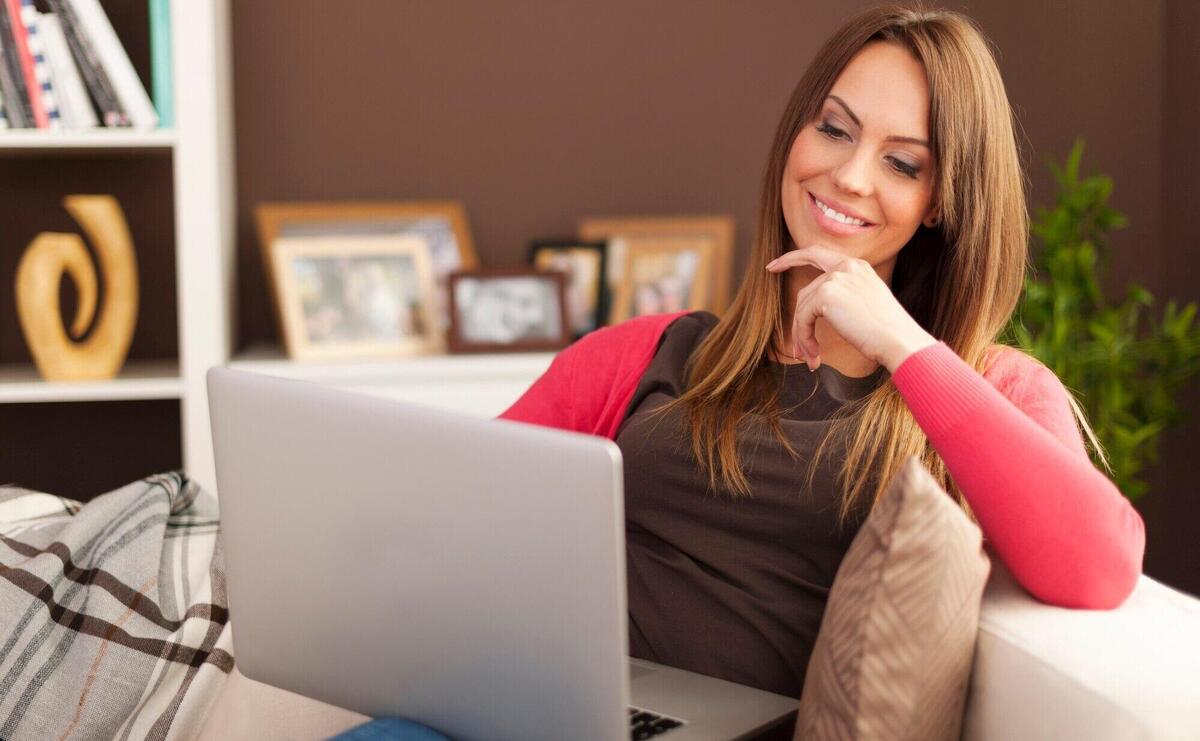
(1018, 374)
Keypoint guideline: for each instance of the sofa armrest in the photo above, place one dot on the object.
(1045, 672)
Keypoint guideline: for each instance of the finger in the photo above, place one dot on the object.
(811, 349)
(821, 257)
(809, 305)
(804, 331)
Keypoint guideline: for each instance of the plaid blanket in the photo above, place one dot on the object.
(113, 616)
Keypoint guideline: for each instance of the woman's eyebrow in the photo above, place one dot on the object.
(854, 118)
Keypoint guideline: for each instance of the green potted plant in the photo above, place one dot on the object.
(1124, 363)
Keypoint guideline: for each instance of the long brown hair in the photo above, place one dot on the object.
(960, 280)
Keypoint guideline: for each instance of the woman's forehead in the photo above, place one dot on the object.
(884, 86)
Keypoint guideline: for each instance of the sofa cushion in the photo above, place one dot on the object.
(893, 655)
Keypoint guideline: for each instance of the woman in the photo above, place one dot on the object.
(890, 253)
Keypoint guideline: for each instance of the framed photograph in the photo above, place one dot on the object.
(441, 224)
(717, 230)
(508, 310)
(584, 265)
(351, 297)
(663, 274)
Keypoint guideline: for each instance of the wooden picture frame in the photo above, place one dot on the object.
(672, 273)
(719, 229)
(443, 224)
(587, 288)
(508, 310)
(350, 298)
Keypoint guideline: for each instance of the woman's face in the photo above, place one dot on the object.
(865, 157)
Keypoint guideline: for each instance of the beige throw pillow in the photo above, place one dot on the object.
(893, 656)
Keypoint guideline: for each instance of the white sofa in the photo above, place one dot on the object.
(1050, 673)
(1040, 673)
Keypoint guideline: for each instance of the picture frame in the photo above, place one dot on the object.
(355, 297)
(585, 264)
(719, 229)
(508, 310)
(443, 224)
(662, 275)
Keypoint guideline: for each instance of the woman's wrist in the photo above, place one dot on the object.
(904, 346)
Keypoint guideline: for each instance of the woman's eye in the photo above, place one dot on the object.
(830, 130)
(904, 168)
(900, 166)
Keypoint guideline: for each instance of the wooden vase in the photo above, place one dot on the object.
(63, 356)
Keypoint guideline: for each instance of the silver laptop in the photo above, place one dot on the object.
(464, 573)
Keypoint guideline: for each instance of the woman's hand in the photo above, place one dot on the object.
(856, 303)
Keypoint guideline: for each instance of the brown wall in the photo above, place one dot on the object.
(535, 114)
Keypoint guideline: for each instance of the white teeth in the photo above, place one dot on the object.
(838, 215)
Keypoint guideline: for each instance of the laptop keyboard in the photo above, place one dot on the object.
(645, 724)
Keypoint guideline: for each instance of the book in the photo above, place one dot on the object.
(3, 118)
(33, 89)
(161, 84)
(73, 102)
(129, 90)
(41, 68)
(88, 62)
(20, 112)
(14, 112)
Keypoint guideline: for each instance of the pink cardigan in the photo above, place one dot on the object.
(1008, 438)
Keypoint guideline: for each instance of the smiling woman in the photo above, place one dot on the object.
(889, 255)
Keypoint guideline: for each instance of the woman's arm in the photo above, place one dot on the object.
(1062, 528)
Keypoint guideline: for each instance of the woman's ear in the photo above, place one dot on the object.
(932, 217)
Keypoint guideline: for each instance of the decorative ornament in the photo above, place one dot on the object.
(60, 356)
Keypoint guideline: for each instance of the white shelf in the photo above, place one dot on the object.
(479, 385)
(23, 142)
(137, 380)
(490, 367)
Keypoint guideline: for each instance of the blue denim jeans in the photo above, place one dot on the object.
(390, 729)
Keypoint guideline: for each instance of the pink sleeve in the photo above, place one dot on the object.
(1060, 526)
(589, 384)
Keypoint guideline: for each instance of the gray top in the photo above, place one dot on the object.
(732, 587)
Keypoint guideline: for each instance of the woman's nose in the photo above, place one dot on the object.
(853, 174)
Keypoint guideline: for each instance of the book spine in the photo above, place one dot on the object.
(21, 43)
(89, 65)
(3, 117)
(41, 67)
(130, 92)
(20, 109)
(162, 85)
(72, 94)
(8, 88)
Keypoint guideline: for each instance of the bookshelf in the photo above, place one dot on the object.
(200, 148)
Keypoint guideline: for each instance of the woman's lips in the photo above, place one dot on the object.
(833, 226)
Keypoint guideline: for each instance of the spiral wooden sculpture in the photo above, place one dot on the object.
(63, 357)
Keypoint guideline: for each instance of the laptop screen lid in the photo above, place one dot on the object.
(398, 560)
